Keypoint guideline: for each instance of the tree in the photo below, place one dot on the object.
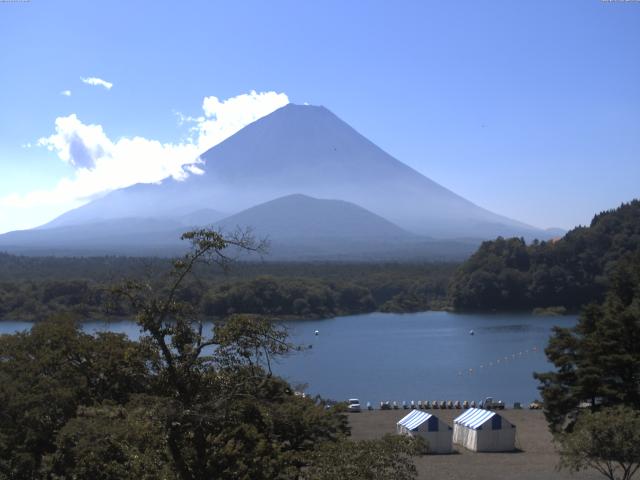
(607, 441)
(181, 403)
(598, 361)
(385, 459)
(223, 413)
(109, 441)
(47, 374)
(507, 274)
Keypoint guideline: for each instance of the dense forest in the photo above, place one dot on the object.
(32, 288)
(508, 274)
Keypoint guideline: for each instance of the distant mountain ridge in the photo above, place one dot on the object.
(299, 216)
(297, 227)
(295, 150)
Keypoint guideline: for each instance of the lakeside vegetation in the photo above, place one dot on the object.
(32, 288)
(553, 277)
(508, 274)
(180, 403)
(592, 397)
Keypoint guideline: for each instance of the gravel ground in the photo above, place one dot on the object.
(535, 458)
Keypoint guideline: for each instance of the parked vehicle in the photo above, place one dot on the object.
(473, 404)
(427, 405)
(535, 405)
(420, 406)
(435, 404)
(369, 406)
(465, 404)
(385, 405)
(395, 405)
(405, 405)
(443, 405)
(354, 405)
(490, 404)
(413, 405)
(457, 405)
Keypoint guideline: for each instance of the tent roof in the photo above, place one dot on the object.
(474, 418)
(414, 419)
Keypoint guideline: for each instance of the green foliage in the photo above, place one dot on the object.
(47, 374)
(182, 403)
(385, 459)
(507, 274)
(607, 441)
(32, 288)
(288, 297)
(111, 441)
(598, 361)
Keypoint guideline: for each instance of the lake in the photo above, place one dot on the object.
(420, 356)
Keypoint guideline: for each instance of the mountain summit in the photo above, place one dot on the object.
(301, 149)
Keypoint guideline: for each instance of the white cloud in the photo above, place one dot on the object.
(223, 119)
(65, 93)
(102, 164)
(95, 81)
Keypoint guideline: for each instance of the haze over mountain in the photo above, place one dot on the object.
(298, 149)
(304, 228)
(297, 227)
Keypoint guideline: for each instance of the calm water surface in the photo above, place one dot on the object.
(421, 356)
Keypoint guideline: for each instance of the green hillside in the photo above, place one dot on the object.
(508, 274)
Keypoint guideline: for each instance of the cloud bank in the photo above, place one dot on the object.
(95, 81)
(102, 164)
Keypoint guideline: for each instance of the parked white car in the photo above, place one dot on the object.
(354, 405)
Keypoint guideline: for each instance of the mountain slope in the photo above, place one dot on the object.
(306, 149)
(300, 227)
(302, 217)
(310, 150)
(131, 236)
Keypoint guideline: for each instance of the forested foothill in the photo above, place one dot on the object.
(568, 273)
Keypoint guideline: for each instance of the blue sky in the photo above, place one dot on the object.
(530, 109)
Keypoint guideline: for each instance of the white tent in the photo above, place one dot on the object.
(437, 433)
(484, 431)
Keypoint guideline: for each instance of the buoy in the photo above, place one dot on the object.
(316, 332)
(471, 332)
